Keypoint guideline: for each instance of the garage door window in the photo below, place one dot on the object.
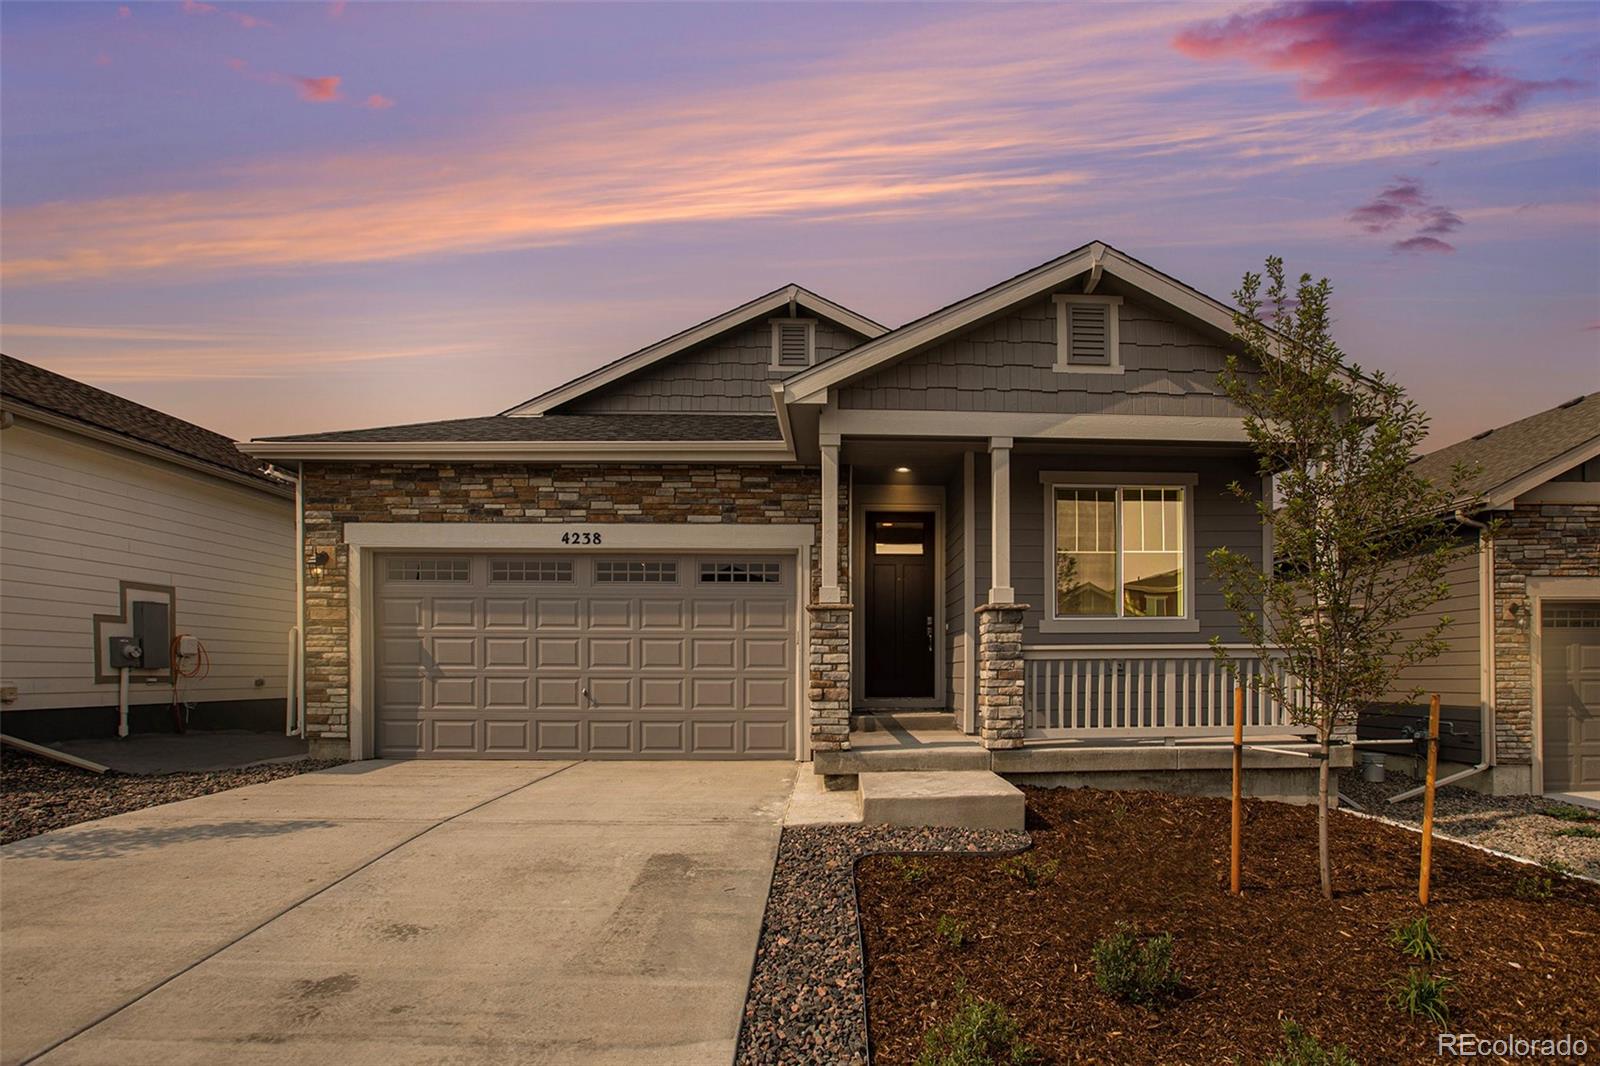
(543, 571)
(441, 569)
(655, 573)
(740, 573)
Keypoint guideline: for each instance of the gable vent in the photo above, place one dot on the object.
(793, 343)
(1089, 334)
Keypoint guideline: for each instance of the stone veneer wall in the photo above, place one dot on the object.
(1538, 540)
(1001, 686)
(336, 493)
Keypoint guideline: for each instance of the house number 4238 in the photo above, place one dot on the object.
(580, 538)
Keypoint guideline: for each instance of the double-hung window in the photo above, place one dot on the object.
(1120, 551)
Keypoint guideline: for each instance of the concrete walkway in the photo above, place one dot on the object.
(393, 913)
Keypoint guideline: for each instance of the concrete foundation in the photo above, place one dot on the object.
(965, 799)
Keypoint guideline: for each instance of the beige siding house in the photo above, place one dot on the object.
(105, 504)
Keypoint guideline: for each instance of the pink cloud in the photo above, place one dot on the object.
(1422, 244)
(195, 7)
(1426, 52)
(377, 102)
(319, 90)
(124, 12)
(1391, 205)
(102, 59)
(199, 7)
(336, 9)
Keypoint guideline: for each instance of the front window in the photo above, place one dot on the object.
(1119, 552)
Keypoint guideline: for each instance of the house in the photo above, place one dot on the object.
(123, 523)
(1519, 683)
(734, 542)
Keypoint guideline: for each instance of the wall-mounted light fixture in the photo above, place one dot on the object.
(1517, 614)
(318, 561)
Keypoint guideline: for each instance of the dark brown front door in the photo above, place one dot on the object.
(899, 609)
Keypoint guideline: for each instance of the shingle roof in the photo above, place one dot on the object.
(1501, 456)
(573, 428)
(50, 392)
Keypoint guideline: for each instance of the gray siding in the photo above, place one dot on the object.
(1007, 364)
(1453, 675)
(728, 374)
(1219, 519)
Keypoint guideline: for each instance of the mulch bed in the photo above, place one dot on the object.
(1521, 967)
(38, 794)
(805, 1002)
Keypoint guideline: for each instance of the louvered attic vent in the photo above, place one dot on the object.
(1086, 334)
(793, 343)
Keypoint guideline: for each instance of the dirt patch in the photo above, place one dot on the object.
(1523, 967)
(38, 795)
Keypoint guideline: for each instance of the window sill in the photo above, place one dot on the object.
(1087, 368)
(1120, 625)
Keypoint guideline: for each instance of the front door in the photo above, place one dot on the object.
(1569, 688)
(899, 606)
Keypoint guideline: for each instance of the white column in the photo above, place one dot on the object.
(829, 591)
(1000, 588)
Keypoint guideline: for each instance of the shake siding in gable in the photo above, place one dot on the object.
(730, 374)
(78, 517)
(1008, 365)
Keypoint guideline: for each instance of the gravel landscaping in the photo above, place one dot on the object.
(1520, 945)
(805, 999)
(38, 794)
(1531, 826)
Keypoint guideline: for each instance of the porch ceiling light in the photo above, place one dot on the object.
(902, 470)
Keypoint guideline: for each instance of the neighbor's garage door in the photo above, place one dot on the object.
(512, 656)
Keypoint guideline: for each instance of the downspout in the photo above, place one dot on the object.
(1485, 660)
(295, 701)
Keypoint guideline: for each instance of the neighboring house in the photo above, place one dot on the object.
(723, 544)
(1522, 667)
(112, 513)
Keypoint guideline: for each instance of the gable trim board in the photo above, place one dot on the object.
(1504, 495)
(789, 295)
(983, 425)
(673, 451)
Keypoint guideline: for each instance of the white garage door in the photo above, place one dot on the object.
(599, 656)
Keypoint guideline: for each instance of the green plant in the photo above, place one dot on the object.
(952, 930)
(1533, 887)
(1422, 994)
(1417, 940)
(1588, 832)
(1559, 868)
(980, 1033)
(911, 871)
(1133, 968)
(1030, 870)
(1568, 812)
(1300, 1048)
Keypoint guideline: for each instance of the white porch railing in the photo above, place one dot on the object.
(1146, 692)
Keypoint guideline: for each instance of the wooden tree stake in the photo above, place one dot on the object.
(1427, 800)
(1238, 783)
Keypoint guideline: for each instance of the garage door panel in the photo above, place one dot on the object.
(655, 661)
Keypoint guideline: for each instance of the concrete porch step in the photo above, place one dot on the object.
(965, 799)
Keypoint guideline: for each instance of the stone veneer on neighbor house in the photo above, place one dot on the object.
(336, 493)
(1539, 540)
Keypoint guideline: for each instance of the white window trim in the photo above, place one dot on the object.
(1111, 303)
(1188, 622)
(811, 343)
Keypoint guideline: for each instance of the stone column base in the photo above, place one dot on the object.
(828, 676)
(1000, 675)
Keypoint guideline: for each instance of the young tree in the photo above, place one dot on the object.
(1362, 542)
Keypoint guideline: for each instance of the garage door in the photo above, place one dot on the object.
(1569, 689)
(518, 656)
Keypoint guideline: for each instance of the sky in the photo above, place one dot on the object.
(287, 217)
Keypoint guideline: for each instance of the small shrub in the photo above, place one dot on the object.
(1133, 968)
(952, 930)
(1422, 994)
(1300, 1048)
(1030, 870)
(1533, 887)
(980, 1033)
(910, 871)
(1588, 832)
(1559, 868)
(1568, 812)
(1417, 940)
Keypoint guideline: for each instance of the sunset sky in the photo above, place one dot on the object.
(281, 217)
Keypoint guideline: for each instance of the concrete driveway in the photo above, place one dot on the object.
(392, 913)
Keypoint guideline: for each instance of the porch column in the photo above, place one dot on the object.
(1000, 587)
(1001, 688)
(829, 592)
(828, 676)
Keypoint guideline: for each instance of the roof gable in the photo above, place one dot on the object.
(1515, 458)
(662, 350)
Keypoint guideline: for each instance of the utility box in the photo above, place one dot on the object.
(152, 629)
(126, 652)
